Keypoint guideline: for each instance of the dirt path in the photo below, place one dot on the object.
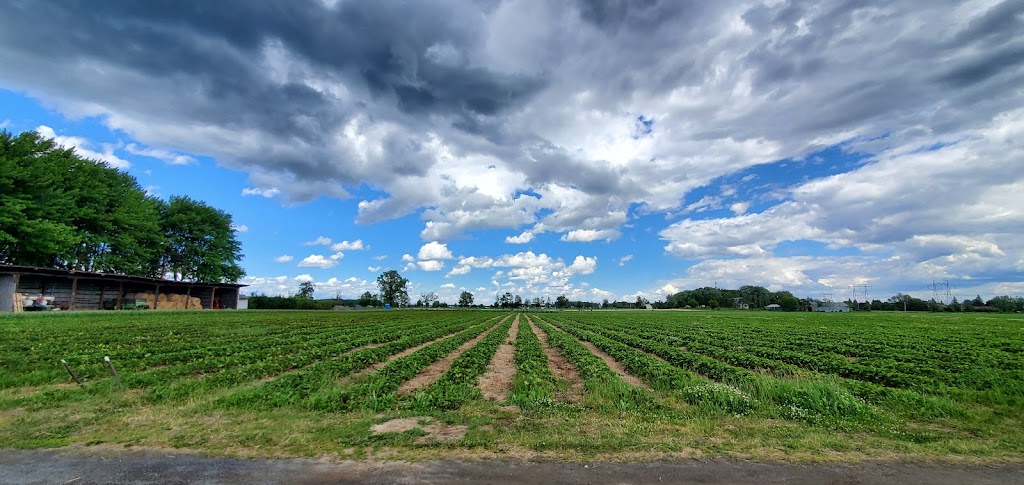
(380, 365)
(433, 371)
(561, 368)
(615, 365)
(80, 466)
(496, 383)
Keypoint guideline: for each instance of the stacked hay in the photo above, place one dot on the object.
(19, 302)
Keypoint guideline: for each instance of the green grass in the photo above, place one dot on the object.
(750, 384)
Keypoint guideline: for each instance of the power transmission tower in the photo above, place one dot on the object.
(860, 293)
(941, 292)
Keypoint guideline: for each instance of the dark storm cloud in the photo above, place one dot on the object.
(409, 97)
(212, 44)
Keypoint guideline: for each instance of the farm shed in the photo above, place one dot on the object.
(80, 290)
(773, 307)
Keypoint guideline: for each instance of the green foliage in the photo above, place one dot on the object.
(458, 384)
(200, 243)
(62, 211)
(393, 289)
(465, 299)
(306, 290)
(534, 384)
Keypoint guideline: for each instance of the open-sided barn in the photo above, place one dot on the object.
(79, 290)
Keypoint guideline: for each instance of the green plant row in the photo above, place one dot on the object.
(534, 385)
(665, 377)
(379, 391)
(823, 399)
(295, 387)
(458, 384)
(238, 368)
(605, 389)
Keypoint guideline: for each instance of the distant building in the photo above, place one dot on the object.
(773, 308)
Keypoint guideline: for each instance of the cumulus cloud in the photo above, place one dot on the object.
(590, 235)
(430, 265)
(568, 117)
(434, 251)
(172, 158)
(319, 241)
(284, 258)
(356, 245)
(625, 259)
(83, 148)
(261, 192)
(373, 269)
(320, 261)
(520, 239)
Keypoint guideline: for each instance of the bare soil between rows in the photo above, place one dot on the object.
(561, 368)
(435, 370)
(80, 465)
(496, 383)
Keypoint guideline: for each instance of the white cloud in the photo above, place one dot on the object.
(739, 208)
(303, 278)
(430, 265)
(356, 245)
(625, 259)
(459, 270)
(240, 227)
(83, 148)
(583, 265)
(520, 239)
(434, 251)
(284, 258)
(268, 192)
(170, 157)
(448, 285)
(408, 258)
(319, 241)
(382, 257)
(590, 235)
(373, 269)
(319, 261)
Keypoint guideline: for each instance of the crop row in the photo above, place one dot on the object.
(379, 391)
(534, 384)
(458, 384)
(604, 387)
(297, 386)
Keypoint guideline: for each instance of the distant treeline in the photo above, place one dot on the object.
(59, 210)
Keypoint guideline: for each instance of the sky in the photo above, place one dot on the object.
(593, 149)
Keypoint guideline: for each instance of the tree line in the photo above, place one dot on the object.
(59, 210)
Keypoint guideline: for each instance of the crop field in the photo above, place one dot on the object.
(612, 385)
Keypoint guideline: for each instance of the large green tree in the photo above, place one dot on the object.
(393, 289)
(63, 211)
(200, 242)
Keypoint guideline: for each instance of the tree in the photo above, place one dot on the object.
(465, 299)
(60, 210)
(393, 288)
(368, 299)
(604, 303)
(200, 242)
(561, 302)
(306, 290)
(713, 304)
(641, 302)
(518, 302)
(428, 298)
(789, 303)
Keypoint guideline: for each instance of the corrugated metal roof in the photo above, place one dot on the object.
(65, 273)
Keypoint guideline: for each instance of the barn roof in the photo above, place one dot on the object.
(65, 273)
